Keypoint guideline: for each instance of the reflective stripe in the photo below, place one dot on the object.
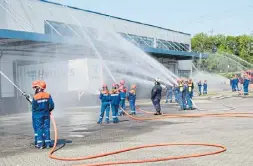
(101, 117)
(113, 116)
(35, 134)
(107, 117)
(42, 101)
(39, 141)
(47, 140)
(123, 98)
(114, 94)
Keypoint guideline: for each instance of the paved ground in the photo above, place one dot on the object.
(82, 136)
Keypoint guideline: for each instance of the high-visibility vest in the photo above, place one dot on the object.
(190, 87)
(180, 87)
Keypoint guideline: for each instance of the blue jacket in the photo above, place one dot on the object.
(42, 104)
(246, 82)
(104, 97)
(156, 93)
(132, 95)
(200, 85)
(115, 98)
(205, 85)
(236, 81)
(122, 95)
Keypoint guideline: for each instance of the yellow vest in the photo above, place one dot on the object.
(132, 91)
(190, 87)
(180, 87)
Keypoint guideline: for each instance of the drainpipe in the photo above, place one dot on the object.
(1, 55)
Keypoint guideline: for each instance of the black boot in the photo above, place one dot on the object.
(158, 113)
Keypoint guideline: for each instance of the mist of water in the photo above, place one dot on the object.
(215, 66)
(75, 73)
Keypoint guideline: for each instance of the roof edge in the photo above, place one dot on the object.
(102, 14)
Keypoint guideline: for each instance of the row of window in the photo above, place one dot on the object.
(141, 41)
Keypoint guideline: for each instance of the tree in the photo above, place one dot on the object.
(241, 46)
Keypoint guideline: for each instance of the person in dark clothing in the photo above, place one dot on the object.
(156, 95)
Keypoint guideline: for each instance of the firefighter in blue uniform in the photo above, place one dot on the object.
(205, 88)
(200, 87)
(115, 100)
(122, 93)
(246, 82)
(132, 98)
(42, 105)
(105, 104)
(189, 89)
(156, 95)
(180, 94)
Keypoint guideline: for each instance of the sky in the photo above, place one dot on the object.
(229, 17)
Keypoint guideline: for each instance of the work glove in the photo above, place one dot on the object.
(28, 97)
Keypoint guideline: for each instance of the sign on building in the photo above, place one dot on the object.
(73, 75)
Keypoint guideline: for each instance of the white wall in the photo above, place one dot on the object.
(63, 76)
(36, 12)
(6, 66)
(185, 64)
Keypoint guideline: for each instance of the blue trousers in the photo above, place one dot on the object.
(205, 91)
(122, 105)
(237, 87)
(105, 107)
(156, 103)
(191, 94)
(115, 109)
(176, 96)
(132, 106)
(188, 99)
(200, 91)
(233, 87)
(34, 130)
(246, 90)
(168, 96)
(42, 124)
(181, 100)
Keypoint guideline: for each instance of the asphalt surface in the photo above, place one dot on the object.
(79, 135)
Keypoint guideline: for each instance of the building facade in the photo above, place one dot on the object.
(35, 29)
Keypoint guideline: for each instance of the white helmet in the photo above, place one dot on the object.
(157, 80)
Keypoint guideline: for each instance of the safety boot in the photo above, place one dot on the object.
(158, 113)
(107, 121)
(39, 147)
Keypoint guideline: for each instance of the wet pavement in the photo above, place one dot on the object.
(79, 135)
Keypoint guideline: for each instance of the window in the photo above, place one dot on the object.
(184, 73)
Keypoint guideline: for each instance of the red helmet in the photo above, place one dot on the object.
(104, 86)
(122, 82)
(35, 84)
(133, 86)
(42, 85)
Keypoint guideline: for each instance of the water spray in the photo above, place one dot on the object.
(28, 97)
(7, 78)
(92, 45)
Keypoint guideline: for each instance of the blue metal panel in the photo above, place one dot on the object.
(11, 34)
(89, 11)
(37, 37)
(170, 52)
